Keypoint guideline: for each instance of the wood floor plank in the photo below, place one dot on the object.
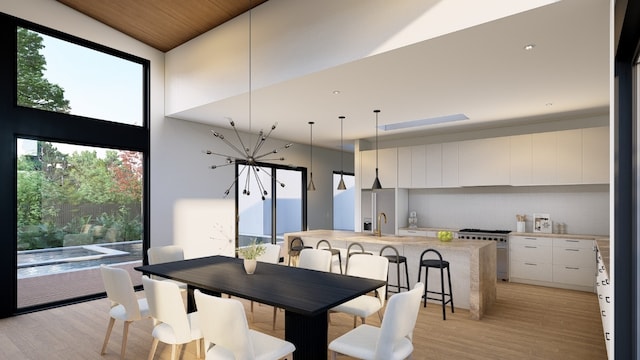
(527, 322)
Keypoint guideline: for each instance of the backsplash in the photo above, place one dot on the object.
(584, 209)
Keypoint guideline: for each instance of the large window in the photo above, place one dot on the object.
(57, 75)
(74, 143)
(78, 207)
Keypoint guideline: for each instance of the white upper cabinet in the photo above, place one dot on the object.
(418, 166)
(544, 151)
(569, 157)
(450, 168)
(387, 167)
(484, 162)
(433, 165)
(595, 155)
(411, 167)
(404, 167)
(521, 159)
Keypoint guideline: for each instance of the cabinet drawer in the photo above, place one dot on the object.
(573, 243)
(532, 253)
(530, 270)
(583, 257)
(408, 232)
(530, 240)
(574, 275)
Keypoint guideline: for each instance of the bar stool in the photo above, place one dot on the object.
(334, 252)
(438, 264)
(396, 259)
(350, 252)
(295, 246)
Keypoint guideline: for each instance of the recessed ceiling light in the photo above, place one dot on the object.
(336, 92)
(529, 47)
(548, 104)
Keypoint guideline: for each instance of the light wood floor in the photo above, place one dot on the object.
(527, 322)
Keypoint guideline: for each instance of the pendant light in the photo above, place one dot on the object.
(376, 182)
(311, 186)
(341, 185)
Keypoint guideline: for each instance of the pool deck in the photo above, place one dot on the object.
(50, 288)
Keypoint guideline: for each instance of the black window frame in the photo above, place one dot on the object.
(18, 121)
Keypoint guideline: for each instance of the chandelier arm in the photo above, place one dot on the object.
(274, 151)
(234, 182)
(263, 190)
(259, 141)
(245, 151)
(219, 166)
(233, 147)
(273, 159)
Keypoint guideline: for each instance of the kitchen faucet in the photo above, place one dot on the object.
(378, 231)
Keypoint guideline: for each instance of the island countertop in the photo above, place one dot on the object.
(473, 262)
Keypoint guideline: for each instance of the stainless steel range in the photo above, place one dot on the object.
(501, 237)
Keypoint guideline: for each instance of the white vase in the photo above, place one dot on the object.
(250, 265)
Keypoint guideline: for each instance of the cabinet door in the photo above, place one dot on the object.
(521, 161)
(484, 162)
(404, 167)
(367, 168)
(544, 156)
(450, 165)
(418, 166)
(595, 155)
(433, 158)
(569, 160)
(388, 165)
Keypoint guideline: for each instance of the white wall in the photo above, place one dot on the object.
(181, 171)
(583, 208)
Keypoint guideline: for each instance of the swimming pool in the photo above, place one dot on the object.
(73, 258)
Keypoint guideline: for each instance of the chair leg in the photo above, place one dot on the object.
(173, 351)
(152, 352)
(198, 341)
(106, 337)
(355, 318)
(406, 271)
(450, 291)
(334, 355)
(444, 313)
(125, 333)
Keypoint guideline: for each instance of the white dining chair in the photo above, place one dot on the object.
(272, 256)
(227, 334)
(392, 340)
(164, 254)
(366, 266)
(125, 305)
(315, 259)
(174, 326)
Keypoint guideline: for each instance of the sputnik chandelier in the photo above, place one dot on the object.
(250, 157)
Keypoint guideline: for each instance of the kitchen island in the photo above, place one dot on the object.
(472, 262)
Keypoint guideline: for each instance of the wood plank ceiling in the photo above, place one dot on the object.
(162, 24)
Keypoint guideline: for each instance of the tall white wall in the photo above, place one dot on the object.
(181, 171)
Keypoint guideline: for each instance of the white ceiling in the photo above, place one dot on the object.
(482, 72)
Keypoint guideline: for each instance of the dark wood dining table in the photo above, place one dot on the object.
(305, 295)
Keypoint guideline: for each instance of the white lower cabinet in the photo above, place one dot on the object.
(530, 258)
(557, 262)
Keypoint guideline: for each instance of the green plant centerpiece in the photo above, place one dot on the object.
(445, 236)
(250, 254)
